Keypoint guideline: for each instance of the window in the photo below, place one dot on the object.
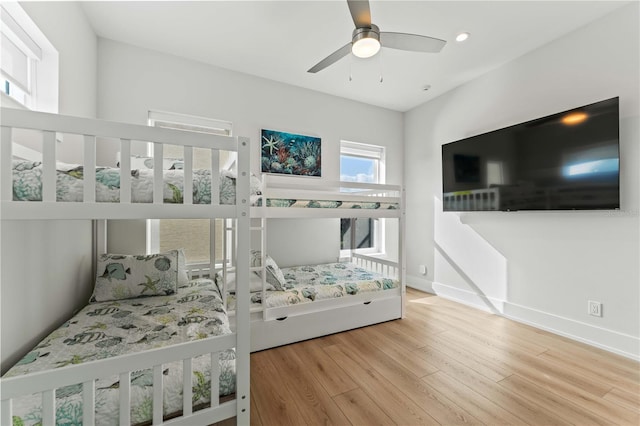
(28, 61)
(361, 163)
(190, 234)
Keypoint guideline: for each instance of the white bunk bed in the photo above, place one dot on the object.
(275, 322)
(87, 375)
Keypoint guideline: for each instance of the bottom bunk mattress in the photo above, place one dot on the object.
(107, 329)
(310, 283)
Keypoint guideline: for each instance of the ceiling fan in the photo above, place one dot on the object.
(367, 39)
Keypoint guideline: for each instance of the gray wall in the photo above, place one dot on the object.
(553, 262)
(46, 265)
(132, 81)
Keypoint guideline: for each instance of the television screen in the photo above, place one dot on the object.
(565, 161)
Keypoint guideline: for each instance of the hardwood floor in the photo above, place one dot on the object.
(444, 364)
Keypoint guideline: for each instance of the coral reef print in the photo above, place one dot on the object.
(288, 153)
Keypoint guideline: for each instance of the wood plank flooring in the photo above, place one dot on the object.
(444, 364)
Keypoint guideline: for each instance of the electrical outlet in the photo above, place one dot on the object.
(594, 308)
(423, 269)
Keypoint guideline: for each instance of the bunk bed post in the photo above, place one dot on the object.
(243, 323)
(402, 263)
(263, 266)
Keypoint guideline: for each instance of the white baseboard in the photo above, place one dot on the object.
(420, 283)
(609, 340)
(466, 297)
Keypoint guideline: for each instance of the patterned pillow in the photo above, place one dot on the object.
(128, 276)
(275, 277)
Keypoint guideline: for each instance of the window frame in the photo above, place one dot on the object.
(41, 91)
(370, 152)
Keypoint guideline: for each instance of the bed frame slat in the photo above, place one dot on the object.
(187, 386)
(6, 148)
(88, 403)
(125, 398)
(215, 379)
(158, 184)
(48, 408)
(158, 405)
(215, 177)
(125, 171)
(48, 166)
(89, 170)
(187, 192)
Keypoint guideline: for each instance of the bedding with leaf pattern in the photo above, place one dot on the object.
(326, 204)
(27, 184)
(305, 284)
(107, 329)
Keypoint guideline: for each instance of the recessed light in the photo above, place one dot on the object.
(427, 87)
(462, 37)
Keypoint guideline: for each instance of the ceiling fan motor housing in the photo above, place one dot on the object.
(366, 32)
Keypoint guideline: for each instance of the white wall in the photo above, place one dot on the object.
(132, 81)
(555, 261)
(46, 265)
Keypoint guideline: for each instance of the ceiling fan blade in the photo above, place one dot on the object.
(360, 12)
(329, 60)
(412, 42)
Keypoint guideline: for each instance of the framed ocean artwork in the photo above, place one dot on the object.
(290, 154)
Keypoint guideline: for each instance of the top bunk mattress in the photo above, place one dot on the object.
(107, 329)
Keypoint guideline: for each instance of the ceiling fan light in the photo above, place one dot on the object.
(365, 47)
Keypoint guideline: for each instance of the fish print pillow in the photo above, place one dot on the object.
(122, 276)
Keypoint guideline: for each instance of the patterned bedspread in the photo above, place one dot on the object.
(306, 284)
(27, 186)
(324, 204)
(103, 330)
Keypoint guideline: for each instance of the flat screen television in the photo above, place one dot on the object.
(566, 161)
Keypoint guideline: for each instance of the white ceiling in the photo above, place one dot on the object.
(280, 40)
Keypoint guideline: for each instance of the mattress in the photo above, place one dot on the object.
(107, 329)
(27, 184)
(307, 284)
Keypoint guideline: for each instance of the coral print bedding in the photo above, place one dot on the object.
(306, 284)
(27, 184)
(108, 329)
